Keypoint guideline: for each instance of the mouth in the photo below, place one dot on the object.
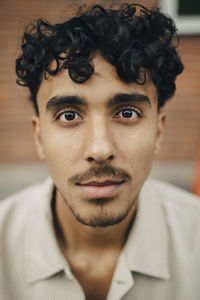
(100, 189)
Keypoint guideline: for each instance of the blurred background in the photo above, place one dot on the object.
(19, 165)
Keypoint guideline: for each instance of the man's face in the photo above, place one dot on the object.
(99, 139)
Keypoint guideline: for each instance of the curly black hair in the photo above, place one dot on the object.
(136, 40)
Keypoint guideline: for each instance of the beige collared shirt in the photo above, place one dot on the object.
(160, 260)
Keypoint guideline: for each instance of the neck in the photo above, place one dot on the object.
(73, 235)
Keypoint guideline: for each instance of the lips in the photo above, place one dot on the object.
(97, 189)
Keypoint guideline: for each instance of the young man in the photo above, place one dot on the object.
(96, 230)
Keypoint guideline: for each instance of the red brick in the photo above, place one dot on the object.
(16, 143)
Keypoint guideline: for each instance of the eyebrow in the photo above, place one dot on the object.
(124, 98)
(116, 99)
(59, 100)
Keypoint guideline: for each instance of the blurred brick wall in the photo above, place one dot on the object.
(183, 110)
(16, 143)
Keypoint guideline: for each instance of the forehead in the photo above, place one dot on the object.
(101, 86)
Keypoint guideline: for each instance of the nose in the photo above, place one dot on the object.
(99, 146)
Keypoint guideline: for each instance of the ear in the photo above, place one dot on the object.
(160, 131)
(37, 137)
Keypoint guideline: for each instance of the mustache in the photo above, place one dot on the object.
(100, 172)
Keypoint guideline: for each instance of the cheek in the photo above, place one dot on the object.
(137, 146)
(138, 139)
(62, 148)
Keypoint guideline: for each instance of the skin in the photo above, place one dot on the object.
(125, 136)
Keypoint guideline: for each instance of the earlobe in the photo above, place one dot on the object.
(160, 131)
(37, 137)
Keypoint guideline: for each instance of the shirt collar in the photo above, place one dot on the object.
(43, 257)
(146, 249)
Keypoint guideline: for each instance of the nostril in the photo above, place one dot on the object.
(110, 157)
(90, 159)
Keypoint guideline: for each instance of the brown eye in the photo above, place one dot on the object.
(128, 113)
(67, 116)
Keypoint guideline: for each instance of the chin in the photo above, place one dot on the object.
(103, 218)
(101, 222)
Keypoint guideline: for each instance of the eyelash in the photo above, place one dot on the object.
(70, 109)
(61, 112)
(134, 109)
